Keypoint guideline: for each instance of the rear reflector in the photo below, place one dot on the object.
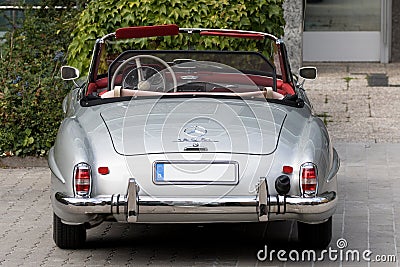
(287, 169)
(308, 179)
(82, 179)
(103, 170)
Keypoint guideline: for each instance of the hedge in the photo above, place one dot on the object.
(105, 16)
(31, 91)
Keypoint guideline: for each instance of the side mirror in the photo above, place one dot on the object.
(308, 73)
(69, 73)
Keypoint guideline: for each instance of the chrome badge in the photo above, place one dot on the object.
(194, 134)
(195, 131)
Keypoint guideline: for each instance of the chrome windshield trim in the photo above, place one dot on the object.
(192, 30)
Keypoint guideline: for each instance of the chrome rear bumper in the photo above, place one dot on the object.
(259, 207)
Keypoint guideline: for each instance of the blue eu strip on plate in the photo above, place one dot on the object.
(159, 172)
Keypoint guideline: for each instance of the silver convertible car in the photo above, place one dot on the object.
(191, 136)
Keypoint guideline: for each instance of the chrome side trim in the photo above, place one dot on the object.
(335, 166)
(262, 200)
(53, 166)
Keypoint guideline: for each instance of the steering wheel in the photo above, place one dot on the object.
(142, 83)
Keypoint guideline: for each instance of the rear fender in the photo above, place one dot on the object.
(316, 147)
(67, 152)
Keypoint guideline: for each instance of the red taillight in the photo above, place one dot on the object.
(82, 179)
(308, 179)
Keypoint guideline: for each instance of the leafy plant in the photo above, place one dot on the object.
(31, 91)
(105, 16)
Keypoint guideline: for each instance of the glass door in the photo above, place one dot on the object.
(343, 30)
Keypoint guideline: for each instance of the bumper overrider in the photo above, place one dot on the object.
(262, 207)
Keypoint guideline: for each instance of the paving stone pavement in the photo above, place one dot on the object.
(367, 217)
(352, 110)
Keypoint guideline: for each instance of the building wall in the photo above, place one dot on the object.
(293, 36)
(395, 31)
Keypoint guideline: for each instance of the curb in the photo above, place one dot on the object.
(23, 162)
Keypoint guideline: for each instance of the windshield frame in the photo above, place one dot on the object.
(117, 60)
(281, 48)
(281, 62)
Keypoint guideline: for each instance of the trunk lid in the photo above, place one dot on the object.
(207, 125)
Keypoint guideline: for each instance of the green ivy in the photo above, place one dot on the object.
(31, 91)
(104, 16)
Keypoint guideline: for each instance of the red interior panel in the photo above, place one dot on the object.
(287, 88)
(282, 88)
(147, 31)
(101, 84)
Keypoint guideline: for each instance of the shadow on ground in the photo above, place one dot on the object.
(183, 237)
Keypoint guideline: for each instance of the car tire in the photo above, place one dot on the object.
(68, 236)
(316, 236)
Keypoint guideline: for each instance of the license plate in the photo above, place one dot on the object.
(196, 172)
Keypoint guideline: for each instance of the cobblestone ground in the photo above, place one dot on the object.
(367, 217)
(353, 110)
